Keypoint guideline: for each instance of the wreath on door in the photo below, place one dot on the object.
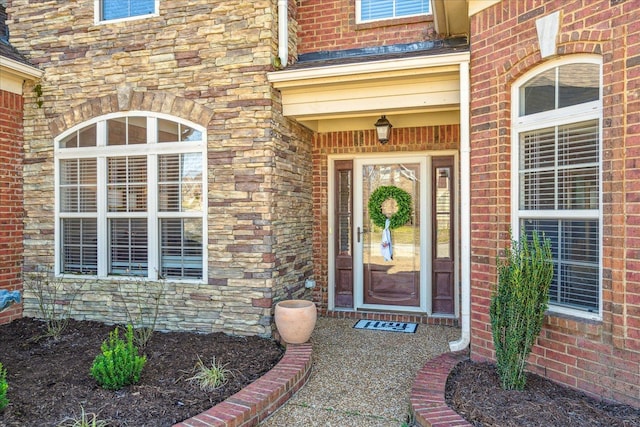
(383, 193)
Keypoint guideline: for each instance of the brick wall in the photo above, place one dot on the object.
(330, 25)
(601, 358)
(11, 209)
(446, 137)
(205, 62)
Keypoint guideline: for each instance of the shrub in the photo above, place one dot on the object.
(4, 386)
(119, 364)
(211, 377)
(518, 306)
(145, 306)
(55, 299)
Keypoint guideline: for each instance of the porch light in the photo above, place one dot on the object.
(383, 127)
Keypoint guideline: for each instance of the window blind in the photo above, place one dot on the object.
(128, 246)
(78, 185)
(127, 184)
(371, 10)
(575, 250)
(181, 247)
(117, 9)
(559, 167)
(80, 236)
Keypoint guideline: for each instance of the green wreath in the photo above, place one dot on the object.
(379, 196)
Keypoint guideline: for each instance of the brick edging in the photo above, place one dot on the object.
(261, 398)
(427, 394)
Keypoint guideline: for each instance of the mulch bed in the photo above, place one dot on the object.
(473, 390)
(49, 380)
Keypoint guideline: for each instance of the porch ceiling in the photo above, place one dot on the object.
(414, 91)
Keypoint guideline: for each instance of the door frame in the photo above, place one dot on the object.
(358, 222)
(426, 294)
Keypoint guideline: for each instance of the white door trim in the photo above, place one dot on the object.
(331, 189)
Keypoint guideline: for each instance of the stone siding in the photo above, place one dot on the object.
(599, 357)
(201, 61)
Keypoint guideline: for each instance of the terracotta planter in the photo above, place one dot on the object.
(295, 320)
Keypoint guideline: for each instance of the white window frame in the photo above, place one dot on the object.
(97, 8)
(559, 116)
(360, 20)
(151, 150)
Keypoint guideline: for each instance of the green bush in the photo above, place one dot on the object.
(119, 364)
(4, 386)
(518, 306)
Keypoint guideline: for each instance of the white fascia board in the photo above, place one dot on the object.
(19, 69)
(281, 79)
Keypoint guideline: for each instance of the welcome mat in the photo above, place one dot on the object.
(377, 325)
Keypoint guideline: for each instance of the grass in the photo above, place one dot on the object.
(85, 420)
(209, 378)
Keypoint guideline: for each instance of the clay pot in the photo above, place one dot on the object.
(295, 320)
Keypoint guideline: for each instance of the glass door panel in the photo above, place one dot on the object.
(391, 278)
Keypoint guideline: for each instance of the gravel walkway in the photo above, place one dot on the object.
(361, 378)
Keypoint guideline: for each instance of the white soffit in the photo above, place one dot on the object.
(410, 86)
(13, 74)
(476, 6)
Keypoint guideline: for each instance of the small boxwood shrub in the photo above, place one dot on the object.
(119, 364)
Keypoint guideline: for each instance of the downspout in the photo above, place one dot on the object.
(465, 214)
(283, 32)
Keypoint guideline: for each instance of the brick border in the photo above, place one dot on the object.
(427, 394)
(261, 398)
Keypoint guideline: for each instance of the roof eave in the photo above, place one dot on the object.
(280, 78)
(20, 69)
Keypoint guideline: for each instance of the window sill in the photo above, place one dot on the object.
(573, 323)
(393, 22)
(128, 18)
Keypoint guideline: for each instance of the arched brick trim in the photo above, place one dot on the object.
(127, 100)
(575, 42)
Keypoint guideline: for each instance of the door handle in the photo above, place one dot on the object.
(359, 233)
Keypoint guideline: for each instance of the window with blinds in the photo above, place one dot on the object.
(374, 10)
(130, 198)
(120, 9)
(558, 177)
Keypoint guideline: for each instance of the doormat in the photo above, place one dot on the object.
(377, 325)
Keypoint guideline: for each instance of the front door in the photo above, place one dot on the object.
(416, 270)
(390, 256)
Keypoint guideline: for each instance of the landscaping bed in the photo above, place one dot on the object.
(49, 380)
(473, 390)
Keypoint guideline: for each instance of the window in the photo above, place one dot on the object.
(374, 10)
(130, 198)
(556, 176)
(109, 10)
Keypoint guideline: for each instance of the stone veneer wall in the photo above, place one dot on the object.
(355, 143)
(11, 209)
(198, 60)
(599, 357)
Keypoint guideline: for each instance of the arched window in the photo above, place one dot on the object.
(556, 180)
(130, 197)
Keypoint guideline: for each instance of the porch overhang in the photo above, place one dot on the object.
(412, 91)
